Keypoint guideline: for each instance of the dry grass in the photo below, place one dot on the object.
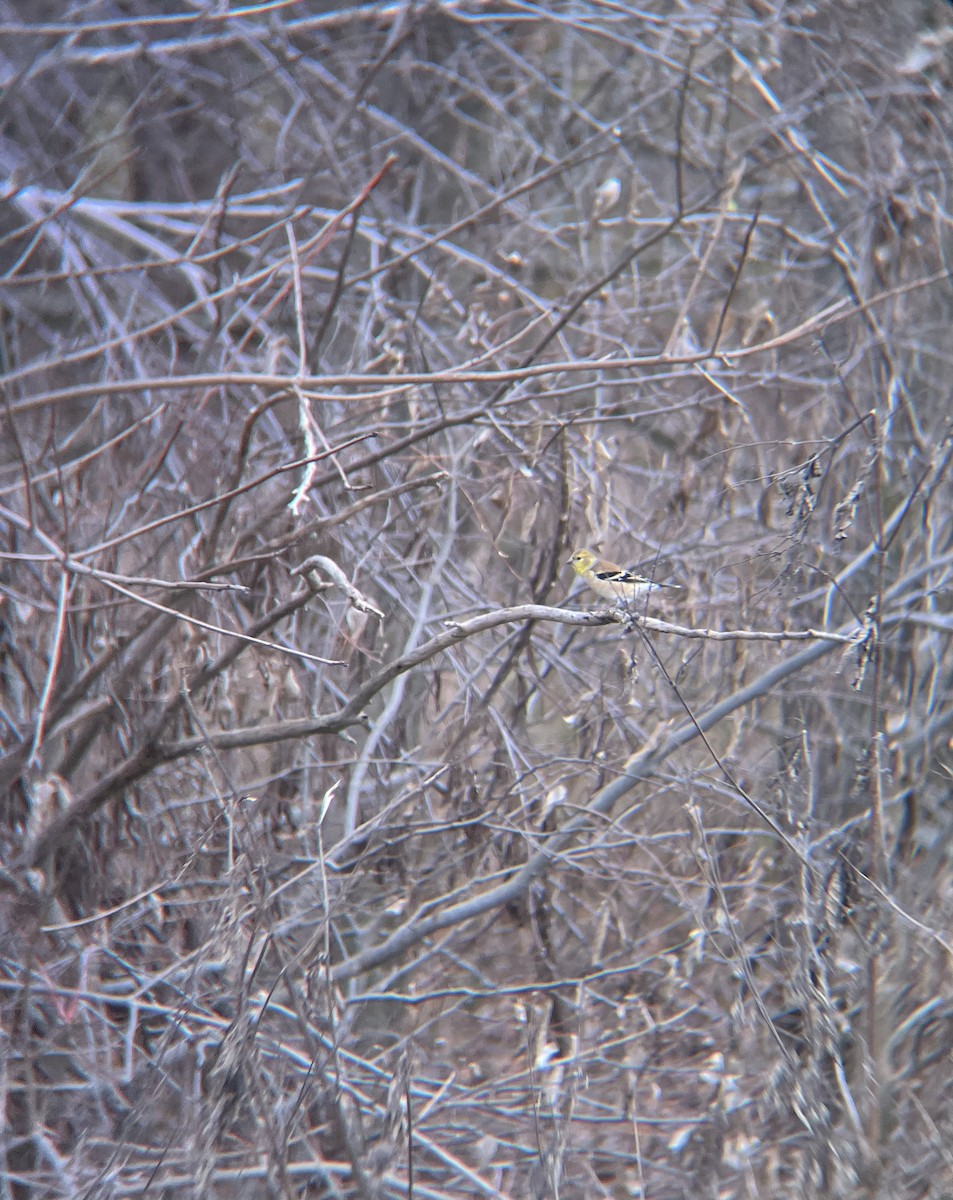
(319, 883)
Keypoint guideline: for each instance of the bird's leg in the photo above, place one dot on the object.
(629, 620)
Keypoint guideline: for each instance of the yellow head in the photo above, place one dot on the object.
(582, 560)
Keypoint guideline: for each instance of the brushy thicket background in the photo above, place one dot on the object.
(315, 892)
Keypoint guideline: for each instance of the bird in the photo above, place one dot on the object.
(611, 581)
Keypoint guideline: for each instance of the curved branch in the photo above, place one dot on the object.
(153, 753)
(638, 768)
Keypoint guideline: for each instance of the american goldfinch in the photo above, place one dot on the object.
(610, 581)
